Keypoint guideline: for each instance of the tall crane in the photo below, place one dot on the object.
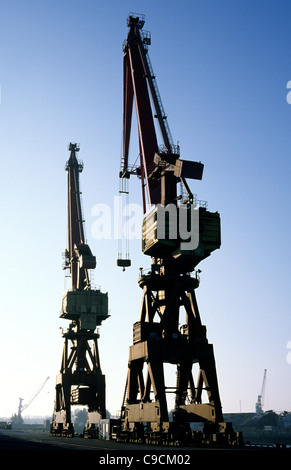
(261, 397)
(80, 381)
(177, 234)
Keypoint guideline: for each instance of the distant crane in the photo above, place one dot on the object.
(22, 408)
(260, 402)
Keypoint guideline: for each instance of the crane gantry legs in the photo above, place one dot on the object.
(158, 339)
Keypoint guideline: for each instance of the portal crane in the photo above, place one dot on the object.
(177, 234)
(80, 381)
(261, 397)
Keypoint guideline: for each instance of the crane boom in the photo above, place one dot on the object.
(135, 85)
(139, 80)
(79, 257)
(34, 396)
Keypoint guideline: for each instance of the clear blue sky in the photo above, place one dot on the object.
(222, 70)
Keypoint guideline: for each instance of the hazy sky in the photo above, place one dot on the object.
(222, 69)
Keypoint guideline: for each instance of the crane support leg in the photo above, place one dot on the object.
(156, 343)
(80, 382)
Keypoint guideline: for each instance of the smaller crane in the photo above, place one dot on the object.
(260, 402)
(80, 381)
(21, 407)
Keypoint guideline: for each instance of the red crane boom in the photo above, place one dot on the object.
(140, 84)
